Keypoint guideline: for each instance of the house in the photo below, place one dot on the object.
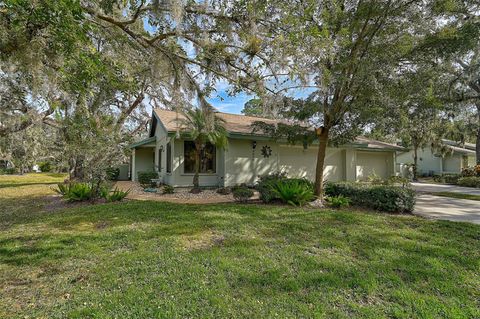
(433, 163)
(250, 155)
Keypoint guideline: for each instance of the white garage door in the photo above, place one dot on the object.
(369, 163)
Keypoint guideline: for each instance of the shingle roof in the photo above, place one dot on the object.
(377, 144)
(234, 123)
(242, 124)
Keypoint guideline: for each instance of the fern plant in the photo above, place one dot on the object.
(294, 192)
(117, 195)
(78, 192)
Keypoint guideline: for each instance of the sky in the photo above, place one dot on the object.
(229, 104)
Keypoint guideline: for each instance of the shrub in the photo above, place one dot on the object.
(379, 197)
(45, 166)
(468, 171)
(8, 171)
(242, 193)
(451, 178)
(339, 201)
(374, 179)
(77, 192)
(168, 189)
(116, 195)
(265, 184)
(471, 181)
(62, 188)
(112, 173)
(439, 178)
(296, 192)
(405, 182)
(224, 190)
(145, 179)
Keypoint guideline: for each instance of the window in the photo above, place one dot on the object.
(208, 158)
(169, 158)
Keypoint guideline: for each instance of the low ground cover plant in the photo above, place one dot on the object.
(79, 192)
(224, 190)
(339, 201)
(168, 189)
(378, 197)
(242, 194)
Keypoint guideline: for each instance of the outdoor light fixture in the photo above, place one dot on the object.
(161, 148)
(254, 144)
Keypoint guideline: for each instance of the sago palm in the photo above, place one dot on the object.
(202, 126)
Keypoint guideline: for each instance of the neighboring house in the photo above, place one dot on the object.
(431, 163)
(251, 155)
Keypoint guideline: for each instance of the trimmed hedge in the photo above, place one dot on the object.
(378, 197)
(471, 181)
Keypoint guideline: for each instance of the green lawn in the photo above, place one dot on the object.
(143, 259)
(457, 195)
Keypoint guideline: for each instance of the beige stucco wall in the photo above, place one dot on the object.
(240, 163)
(243, 164)
(427, 161)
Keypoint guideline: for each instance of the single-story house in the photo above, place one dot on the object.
(433, 163)
(250, 155)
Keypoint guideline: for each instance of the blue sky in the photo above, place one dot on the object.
(229, 104)
(234, 104)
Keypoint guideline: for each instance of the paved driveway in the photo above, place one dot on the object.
(435, 188)
(454, 209)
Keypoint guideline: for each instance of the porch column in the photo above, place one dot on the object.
(133, 166)
(350, 165)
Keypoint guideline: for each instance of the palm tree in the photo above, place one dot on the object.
(203, 126)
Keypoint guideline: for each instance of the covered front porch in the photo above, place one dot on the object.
(143, 157)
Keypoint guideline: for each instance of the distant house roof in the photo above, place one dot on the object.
(243, 125)
(468, 146)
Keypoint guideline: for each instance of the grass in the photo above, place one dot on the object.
(142, 259)
(31, 179)
(457, 195)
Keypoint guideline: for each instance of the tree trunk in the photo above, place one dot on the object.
(76, 170)
(477, 151)
(196, 177)
(415, 162)
(322, 134)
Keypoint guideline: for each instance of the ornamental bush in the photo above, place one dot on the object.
(378, 197)
(471, 181)
(265, 186)
(242, 194)
(296, 192)
(451, 178)
(145, 178)
(267, 183)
